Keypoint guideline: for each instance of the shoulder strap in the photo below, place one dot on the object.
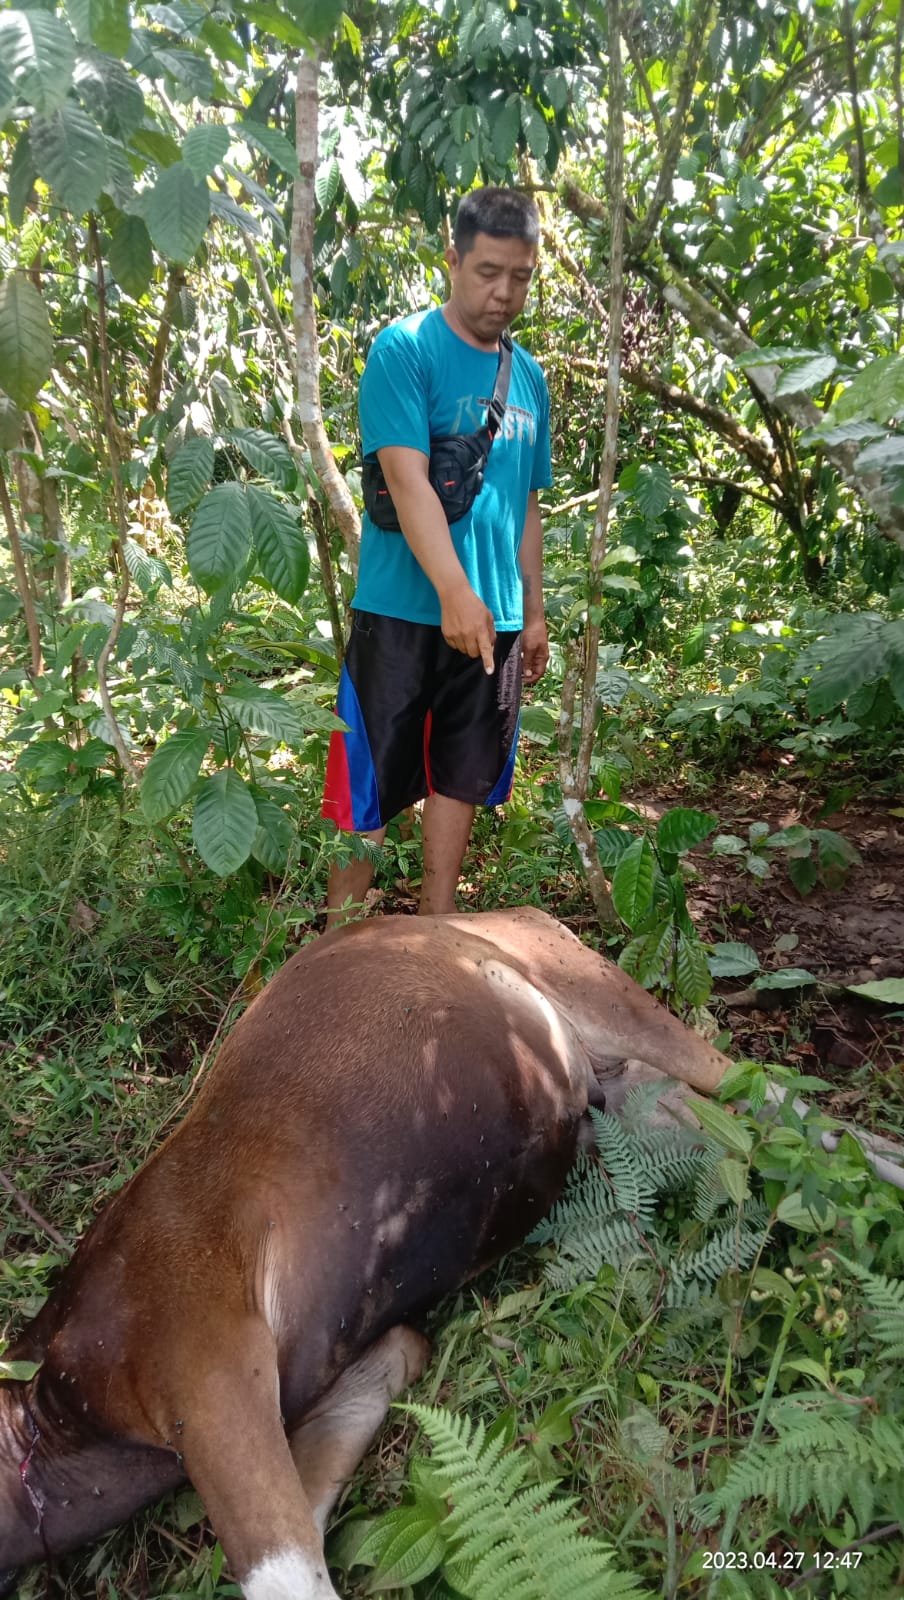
(496, 407)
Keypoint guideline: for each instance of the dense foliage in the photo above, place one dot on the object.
(184, 313)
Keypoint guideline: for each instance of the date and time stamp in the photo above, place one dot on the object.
(781, 1560)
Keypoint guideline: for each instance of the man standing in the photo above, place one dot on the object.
(446, 620)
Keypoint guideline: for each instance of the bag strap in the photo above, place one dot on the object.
(496, 407)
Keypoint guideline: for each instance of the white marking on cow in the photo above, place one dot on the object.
(291, 1575)
(565, 1043)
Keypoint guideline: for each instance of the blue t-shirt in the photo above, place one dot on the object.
(421, 381)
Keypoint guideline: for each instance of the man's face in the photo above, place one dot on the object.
(489, 286)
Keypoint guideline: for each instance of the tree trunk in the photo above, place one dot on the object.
(584, 653)
(304, 315)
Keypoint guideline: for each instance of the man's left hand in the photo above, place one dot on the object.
(534, 650)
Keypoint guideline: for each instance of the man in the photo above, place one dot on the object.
(446, 621)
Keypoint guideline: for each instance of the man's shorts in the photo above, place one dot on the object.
(423, 719)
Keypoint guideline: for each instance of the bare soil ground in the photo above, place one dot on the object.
(846, 935)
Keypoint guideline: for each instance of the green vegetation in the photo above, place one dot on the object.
(699, 1362)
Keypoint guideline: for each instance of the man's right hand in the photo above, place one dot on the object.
(467, 625)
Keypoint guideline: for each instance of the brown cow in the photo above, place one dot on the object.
(395, 1110)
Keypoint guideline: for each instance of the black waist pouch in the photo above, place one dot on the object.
(457, 464)
(457, 460)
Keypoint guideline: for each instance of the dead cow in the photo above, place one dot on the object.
(396, 1109)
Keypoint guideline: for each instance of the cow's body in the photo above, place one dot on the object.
(396, 1109)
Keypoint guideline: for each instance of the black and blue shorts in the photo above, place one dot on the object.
(422, 719)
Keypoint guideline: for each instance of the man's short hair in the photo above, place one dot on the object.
(502, 213)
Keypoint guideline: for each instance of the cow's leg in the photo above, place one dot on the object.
(236, 1454)
(328, 1445)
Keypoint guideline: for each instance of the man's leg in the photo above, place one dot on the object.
(446, 831)
(350, 883)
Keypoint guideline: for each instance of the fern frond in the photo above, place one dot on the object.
(735, 1245)
(884, 1311)
(630, 1181)
(614, 1241)
(820, 1458)
(517, 1541)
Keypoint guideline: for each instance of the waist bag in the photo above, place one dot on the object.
(457, 460)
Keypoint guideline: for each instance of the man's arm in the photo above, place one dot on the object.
(534, 640)
(467, 623)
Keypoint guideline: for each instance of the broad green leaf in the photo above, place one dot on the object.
(723, 1127)
(693, 981)
(20, 179)
(8, 94)
(190, 71)
(858, 656)
(263, 711)
(648, 958)
(11, 423)
(282, 549)
(877, 392)
(109, 93)
(400, 1544)
(219, 541)
(632, 882)
(224, 824)
(534, 127)
(225, 209)
(272, 19)
(70, 153)
(190, 471)
(889, 990)
(730, 959)
(275, 837)
(102, 22)
(796, 1214)
(18, 1371)
(157, 146)
(26, 342)
(37, 52)
(884, 453)
(204, 147)
(271, 143)
(806, 375)
(326, 184)
(506, 124)
(734, 1179)
(266, 454)
(612, 844)
(621, 555)
(131, 256)
(652, 489)
(172, 772)
(417, 1549)
(681, 829)
(785, 978)
(147, 570)
(177, 212)
(619, 583)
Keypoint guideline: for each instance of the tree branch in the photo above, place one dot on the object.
(641, 74)
(701, 21)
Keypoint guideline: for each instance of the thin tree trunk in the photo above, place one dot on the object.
(22, 583)
(164, 329)
(583, 657)
(103, 350)
(307, 350)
